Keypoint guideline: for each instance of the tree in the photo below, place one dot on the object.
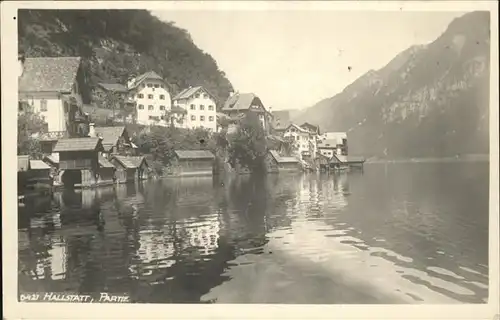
(247, 146)
(29, 126)
(175, 114)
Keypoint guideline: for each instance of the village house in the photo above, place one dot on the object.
(281, 120)
(192, 163)
(277, 163)
(53, 87)
(330, 143)
(130, 168)
(106, 172)
(150, 93)
(78, 161)
(314, 130)
(200, 107)
(115, 140)
(305, 142)
(239, 104)
(119, 97)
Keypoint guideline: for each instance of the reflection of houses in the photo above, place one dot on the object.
(114, 140)
(204, 235)
(129, 168)
(53, 88)
(78, 160)
(239, 104)
(192, 162)
(200, 107)
(277, 163)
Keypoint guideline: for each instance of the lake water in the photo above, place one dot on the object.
(395, 233)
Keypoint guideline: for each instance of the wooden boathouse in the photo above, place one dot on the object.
(39, 173)
(106, 172)
(341, 162)
(277, 163)
(78, 161)
(130, 168)
(192, 163)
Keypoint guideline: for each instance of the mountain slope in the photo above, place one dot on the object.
(429, 101)
(119, 43)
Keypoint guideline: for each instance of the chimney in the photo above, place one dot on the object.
(92, 129)
(21, 59)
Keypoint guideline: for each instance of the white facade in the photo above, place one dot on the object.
(152, 101)
(201, 111)
(304, 141)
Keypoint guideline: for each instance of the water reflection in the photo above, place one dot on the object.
(307, 238)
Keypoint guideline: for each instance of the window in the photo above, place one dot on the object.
(141, 107)
(211, 118)
(162, 107)
(162, 117)
(202, 107)
(143, 85)
(298, 138)
(193, 107)
(193, 117)
(162, 86)
(156, 118)
(162, 97)
(150, 85)
(205, 95)
(197, 95)
(150, 96)
(202, 118)
(43, 105)
(211, 108)
(140, 95)
(150, 107)
(157, 85)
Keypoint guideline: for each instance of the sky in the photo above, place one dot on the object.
(294, 59)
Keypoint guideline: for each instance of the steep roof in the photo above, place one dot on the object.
(311, 126)
(130, 162)
(188, 92)
(194, 154)
(109, 135)
(78, 144)
(240, 101)
(148, 75)
(38, 165)
(49, 74)
(23, 163)
(114, 87)
(51, 159)
(104, 163)
(296, 127)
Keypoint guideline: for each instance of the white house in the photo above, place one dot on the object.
(52, 87)
(152, 98)
(239, 104)
(200, 107)
(305, 141)
(330, 143)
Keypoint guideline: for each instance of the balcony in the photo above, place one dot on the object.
(53, 135)
(75, 164)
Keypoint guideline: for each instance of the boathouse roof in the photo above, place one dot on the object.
(109, 135)
(49, 74)
(38, 165)
(51, 159)
(78, 144)
(194, 154)
(104, 163)
(113, 87)
(130, 162)
(281, 159)
(23, 163)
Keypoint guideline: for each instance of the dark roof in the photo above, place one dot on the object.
(38, 165)
(177, 109)
(114, 87)
(49, 74)
(130, 162)
(308, 125)
(109, 135)
(194, 154)
(104, 163)
(51, 159)
(77, 144)
(240, 101)
(296, 127)
(23, 163)
(148, 75)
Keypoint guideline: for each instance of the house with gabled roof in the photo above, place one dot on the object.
(151, 95)
(200, 106)
(115, 140)
(239, 104)
(192, 163)
(130, 168)
(276, 163)
(304, 141)
(54, 87)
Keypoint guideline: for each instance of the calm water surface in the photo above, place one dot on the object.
(396, 233)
